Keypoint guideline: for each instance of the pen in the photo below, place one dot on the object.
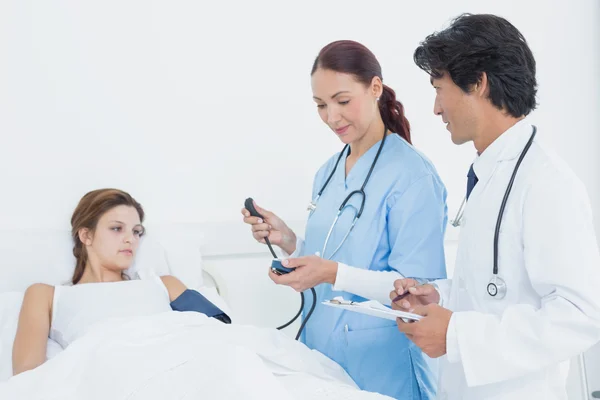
(400, 297)
(403, 295)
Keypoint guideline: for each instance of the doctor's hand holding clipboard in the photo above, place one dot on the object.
(428, 333)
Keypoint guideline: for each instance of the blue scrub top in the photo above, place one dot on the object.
(402, 228)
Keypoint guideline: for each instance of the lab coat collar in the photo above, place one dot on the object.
(506, 147)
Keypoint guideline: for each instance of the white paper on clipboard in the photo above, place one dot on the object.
(373, 308)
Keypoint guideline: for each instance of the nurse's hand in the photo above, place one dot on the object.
(416, 294)
(310, 271)
(429, 333)
(272, 227)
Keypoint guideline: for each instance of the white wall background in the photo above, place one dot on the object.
(194, 106)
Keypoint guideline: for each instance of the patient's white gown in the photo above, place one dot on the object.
(76, 309)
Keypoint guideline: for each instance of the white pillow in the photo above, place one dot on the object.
(168, 251)
(173, 249)
(10, 305)
(30, 256)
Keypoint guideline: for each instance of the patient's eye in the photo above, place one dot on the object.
(138, 232)
(116, 228)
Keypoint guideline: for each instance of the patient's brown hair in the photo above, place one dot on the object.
(90, 209)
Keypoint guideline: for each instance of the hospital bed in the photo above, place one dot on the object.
(219, 259)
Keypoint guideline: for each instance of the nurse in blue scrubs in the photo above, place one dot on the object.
(400, 232)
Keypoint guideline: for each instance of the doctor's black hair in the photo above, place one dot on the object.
(478, 43)
(349, 57)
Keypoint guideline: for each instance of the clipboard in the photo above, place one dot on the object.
(373, 308)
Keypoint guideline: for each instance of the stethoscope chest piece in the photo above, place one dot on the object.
(496, 287)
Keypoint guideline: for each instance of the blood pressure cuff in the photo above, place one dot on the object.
(191, 300)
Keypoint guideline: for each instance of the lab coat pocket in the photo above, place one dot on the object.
(379, 358)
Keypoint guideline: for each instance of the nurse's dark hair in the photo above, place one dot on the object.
(349, 57)
(478, 43)
(90, 209)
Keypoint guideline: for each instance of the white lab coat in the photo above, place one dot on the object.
(519, 347)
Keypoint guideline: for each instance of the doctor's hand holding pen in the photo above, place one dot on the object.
(408, 294)
(272, 227)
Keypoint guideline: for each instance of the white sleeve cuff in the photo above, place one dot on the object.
(443, 288)
(299, 249)
(341, 278)
(372, 285)
(452, 351)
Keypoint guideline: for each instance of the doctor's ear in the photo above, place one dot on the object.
(85, 235)
(481, 87)
(376, 87)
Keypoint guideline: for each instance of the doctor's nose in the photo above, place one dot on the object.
(437, 108)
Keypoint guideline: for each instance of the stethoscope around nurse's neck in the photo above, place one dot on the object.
(359, 192)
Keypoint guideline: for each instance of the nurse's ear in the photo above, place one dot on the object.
(376, 88)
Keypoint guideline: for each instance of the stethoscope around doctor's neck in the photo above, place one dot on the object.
(358, 192)
(496, 287)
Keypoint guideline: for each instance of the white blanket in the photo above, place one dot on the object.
(184, 355)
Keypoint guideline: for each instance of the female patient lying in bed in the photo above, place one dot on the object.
(106, 229)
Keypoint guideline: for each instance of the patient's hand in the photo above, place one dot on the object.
(310, 271)
(272, 227)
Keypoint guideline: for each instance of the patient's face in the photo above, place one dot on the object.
(116, 238)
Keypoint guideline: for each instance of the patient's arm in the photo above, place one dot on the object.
(174, 286)
(184, 299)
(31, 340)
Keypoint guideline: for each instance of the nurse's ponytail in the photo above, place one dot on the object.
(349, 57)
(392, 113)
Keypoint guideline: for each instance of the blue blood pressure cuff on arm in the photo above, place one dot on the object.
(191, 300)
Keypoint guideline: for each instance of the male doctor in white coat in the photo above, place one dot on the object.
(510, 333)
